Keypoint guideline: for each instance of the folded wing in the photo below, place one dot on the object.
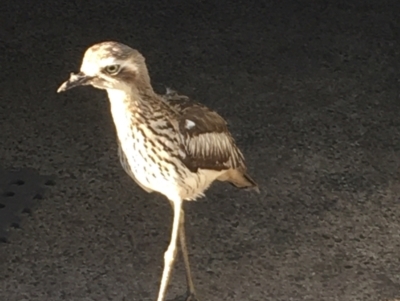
(207, 142)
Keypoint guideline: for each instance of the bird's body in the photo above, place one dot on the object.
(167, 144)
(153, 149)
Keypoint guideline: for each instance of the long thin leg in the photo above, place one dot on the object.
(170, 254)
(189, 281)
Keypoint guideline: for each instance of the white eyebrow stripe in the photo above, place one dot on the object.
(109, 61)
(92, 68)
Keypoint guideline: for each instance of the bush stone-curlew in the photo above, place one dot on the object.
(168, 144)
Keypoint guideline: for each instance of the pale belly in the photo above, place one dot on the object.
(162, 172)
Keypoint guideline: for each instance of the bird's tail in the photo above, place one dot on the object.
(240, 179)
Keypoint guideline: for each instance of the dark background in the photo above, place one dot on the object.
(311, 92)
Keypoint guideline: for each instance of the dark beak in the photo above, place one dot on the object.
(75, 80)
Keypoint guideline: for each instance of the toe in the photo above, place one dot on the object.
(191, 297)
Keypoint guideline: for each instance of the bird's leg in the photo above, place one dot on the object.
(170, 254)
(191, 296)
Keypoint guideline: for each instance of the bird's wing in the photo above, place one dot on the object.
(206, 141)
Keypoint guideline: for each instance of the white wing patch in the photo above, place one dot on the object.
(189, 124)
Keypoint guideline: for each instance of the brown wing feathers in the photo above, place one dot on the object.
(207, 141)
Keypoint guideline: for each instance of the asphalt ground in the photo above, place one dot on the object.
(311, 94)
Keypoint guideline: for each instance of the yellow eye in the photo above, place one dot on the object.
(112, 69)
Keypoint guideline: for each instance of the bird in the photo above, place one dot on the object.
(167, 143)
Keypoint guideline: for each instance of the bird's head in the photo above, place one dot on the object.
(110, 66)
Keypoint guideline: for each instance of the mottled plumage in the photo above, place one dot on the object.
(167, 143)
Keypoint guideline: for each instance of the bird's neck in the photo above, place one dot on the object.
(132, 105)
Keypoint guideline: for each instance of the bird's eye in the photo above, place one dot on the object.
(112, 69)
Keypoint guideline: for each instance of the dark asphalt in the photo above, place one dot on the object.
(311, 93)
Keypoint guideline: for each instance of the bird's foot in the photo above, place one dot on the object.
(191, 297)
(187, 297)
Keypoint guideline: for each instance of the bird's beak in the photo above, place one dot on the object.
(75, 80)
